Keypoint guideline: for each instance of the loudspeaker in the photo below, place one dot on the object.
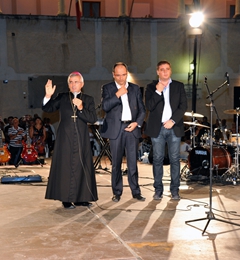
(236, 99)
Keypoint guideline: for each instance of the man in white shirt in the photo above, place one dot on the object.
(125, 113)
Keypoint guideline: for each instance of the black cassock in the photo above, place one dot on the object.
(72, 175)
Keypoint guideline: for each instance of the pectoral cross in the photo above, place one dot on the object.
(74, 116)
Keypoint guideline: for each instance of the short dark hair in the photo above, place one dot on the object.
(119, 63)
(163, 62)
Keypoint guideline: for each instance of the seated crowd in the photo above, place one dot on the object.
(25, 140)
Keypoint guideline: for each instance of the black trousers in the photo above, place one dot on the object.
(15, 154)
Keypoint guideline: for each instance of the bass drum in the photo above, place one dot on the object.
(199, 160)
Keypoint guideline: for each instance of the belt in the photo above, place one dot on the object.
(126, 122)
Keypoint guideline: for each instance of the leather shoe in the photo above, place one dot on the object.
(116, 198)
(85, 204)
(157, 196)
(139, 197)
(68, 205)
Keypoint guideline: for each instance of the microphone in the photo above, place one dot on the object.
(75, 95)
(227, 76)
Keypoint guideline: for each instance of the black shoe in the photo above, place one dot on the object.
(68, 205)
(85, 204)
(175, 197)
(156, 196)
(116, 198)
(139, 197)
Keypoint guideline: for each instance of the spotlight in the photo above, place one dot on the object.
(196, 19)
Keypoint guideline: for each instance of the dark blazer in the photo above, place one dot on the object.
(113, 108)
(155, 104)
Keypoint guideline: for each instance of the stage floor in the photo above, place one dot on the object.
(32, 228)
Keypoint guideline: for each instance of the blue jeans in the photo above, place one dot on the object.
(166, 136)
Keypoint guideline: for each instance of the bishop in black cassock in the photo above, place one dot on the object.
(72, 176)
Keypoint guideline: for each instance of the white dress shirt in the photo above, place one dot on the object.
(167, 110)
(126, 113)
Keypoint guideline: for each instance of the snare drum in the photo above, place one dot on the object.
(199, 160)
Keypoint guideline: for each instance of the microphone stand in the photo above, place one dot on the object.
(105, 146)
(226, 82)
(210, 215)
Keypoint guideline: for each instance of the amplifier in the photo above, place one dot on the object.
(15, 179)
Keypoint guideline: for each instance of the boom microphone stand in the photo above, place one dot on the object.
(210, 215)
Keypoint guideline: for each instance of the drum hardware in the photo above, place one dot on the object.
(205, 164)
(199, 160)
(231, 176)
(233, 172)
(192, 130)
(192, 114)
(205, 139)
(186, 174)
(220, 136)
(210, 214)
(196, 124)
(232, 111)
(192, 136)
(218, 177)
(233, 139)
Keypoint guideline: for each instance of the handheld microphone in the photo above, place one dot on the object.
(75, 95)
(227, 76)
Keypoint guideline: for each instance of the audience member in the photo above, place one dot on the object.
(16, 135)
(37, 133)
(7, 126)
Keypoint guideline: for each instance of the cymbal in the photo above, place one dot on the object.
(231, 111)
(192, 114)
(196, 124)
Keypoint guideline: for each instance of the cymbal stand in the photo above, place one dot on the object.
(193, 133)
(237, 158)
(210, 215)
(192, 136)
(234, 170)
(185, 170)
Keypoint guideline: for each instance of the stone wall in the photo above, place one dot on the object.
(34, 48)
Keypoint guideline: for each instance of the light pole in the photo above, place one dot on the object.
(195, 22)
(194, 86)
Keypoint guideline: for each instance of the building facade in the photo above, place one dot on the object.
(40, 40)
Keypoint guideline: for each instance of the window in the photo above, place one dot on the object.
(91, 9)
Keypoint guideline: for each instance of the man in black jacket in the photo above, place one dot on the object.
(125, 112)
(167, 102)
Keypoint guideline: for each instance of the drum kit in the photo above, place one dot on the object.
(225, 152)
(215, 161)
